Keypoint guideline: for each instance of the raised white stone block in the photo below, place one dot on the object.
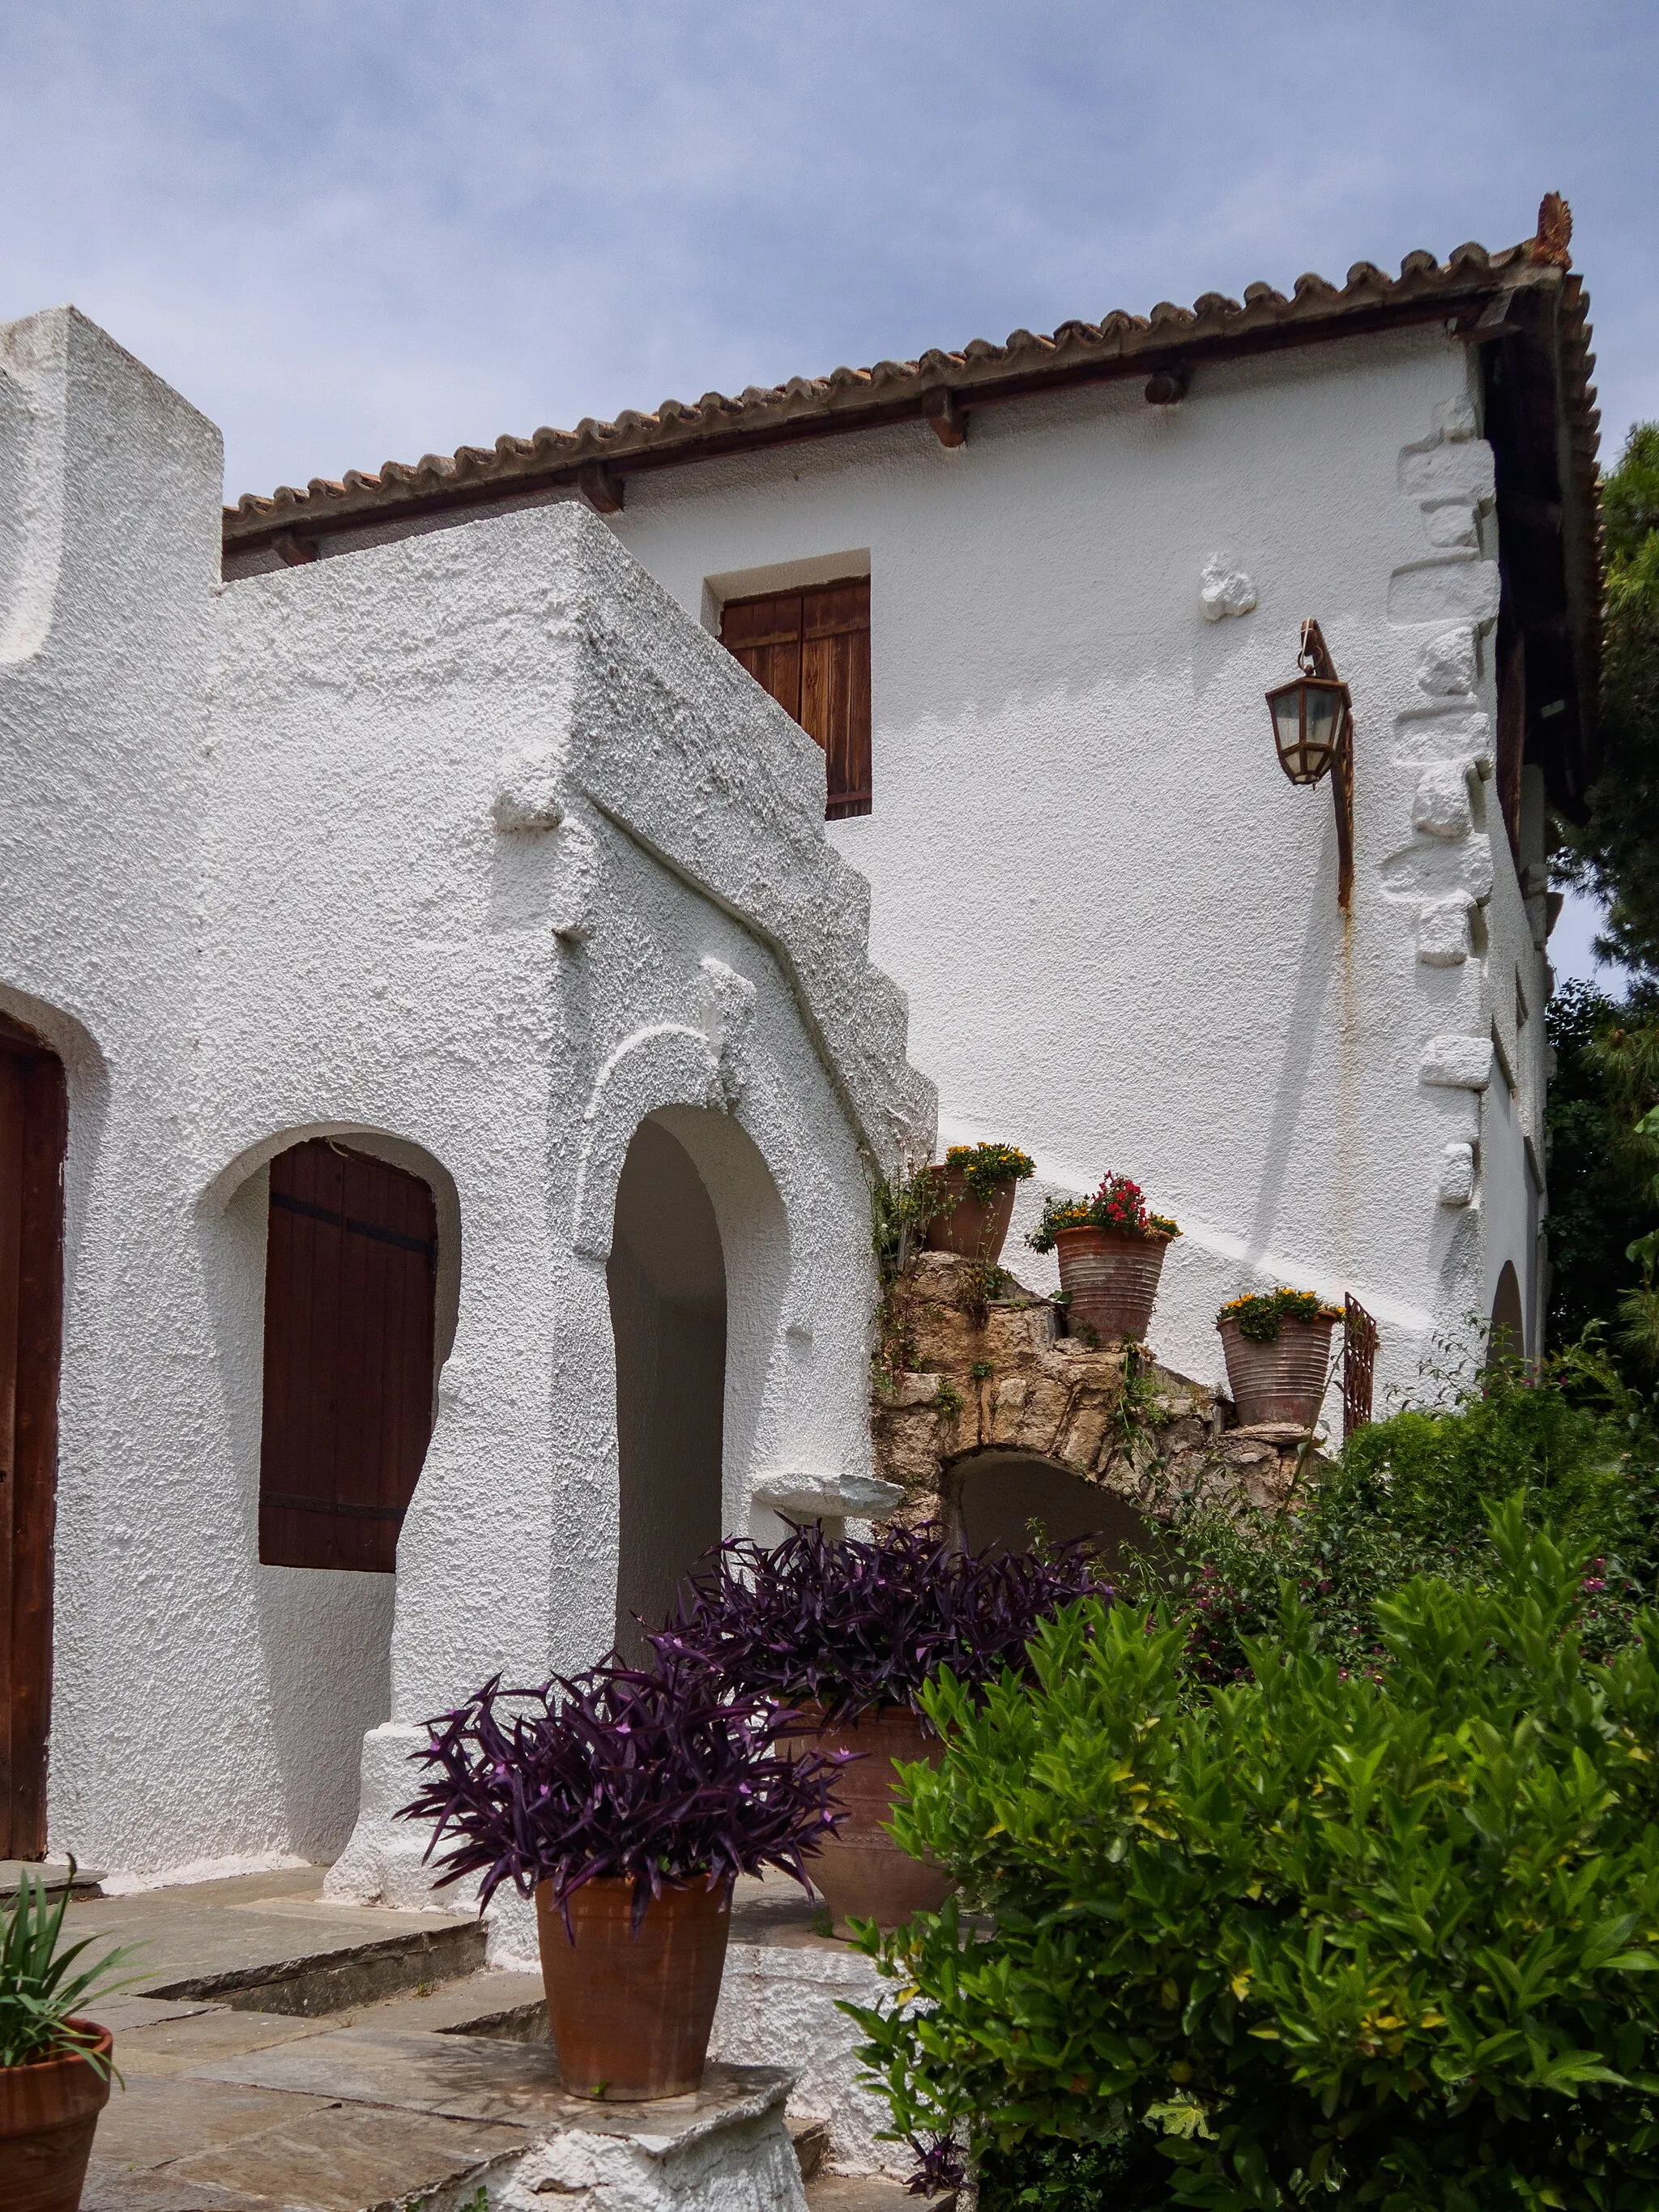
(1446, 662)
(1225, 589)
(1456, 1063)
(1440, 807)
(1455, 1183)
(1444, 939)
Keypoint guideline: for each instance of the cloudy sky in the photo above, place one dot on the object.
(357, 229)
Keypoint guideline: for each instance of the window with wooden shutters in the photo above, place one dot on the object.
(351, 1278)
(811, 650)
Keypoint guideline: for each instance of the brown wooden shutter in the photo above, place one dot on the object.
(350, 1274)
(811, 650)
(33, 1130)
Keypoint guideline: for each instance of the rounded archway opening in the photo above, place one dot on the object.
(1014, 1500)
(1506, 1338)
(666, 1277)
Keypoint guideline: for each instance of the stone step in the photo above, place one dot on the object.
(270, 1943)
(53, 1874)
(870, 2192)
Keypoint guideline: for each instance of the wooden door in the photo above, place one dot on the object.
(350, 1276)
(811, 650)
(33, 1129)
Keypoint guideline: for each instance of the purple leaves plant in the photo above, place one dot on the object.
(850, 1627)
(657, 1776)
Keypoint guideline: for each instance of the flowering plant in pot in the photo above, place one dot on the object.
(851, 1633)
(1111, 1253)
(625, 1801)
(976, 1187)
(55, 2065)
(1278, 1348)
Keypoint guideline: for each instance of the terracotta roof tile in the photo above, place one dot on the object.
(1463, 287)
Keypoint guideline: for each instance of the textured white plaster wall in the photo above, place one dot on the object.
(471, 843)
(1116, 920)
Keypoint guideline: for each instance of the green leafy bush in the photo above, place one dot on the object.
(1319, 1938)
(1409, 1496)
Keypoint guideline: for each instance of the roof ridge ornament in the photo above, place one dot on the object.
(1551, 247)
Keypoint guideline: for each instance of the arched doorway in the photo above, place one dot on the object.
(1010, 1498)
(1507, 1337)
(666, 1275)
(34, 1130)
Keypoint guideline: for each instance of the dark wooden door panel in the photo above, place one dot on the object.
(350, 1275)
(33, 1133)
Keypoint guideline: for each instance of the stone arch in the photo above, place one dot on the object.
(1506, 1336)
(668, 1064)
(324, 1634)
(1011, 1498)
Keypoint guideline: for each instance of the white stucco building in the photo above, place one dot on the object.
(442, 960)
(402, 836)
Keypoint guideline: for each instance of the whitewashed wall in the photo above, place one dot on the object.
(471, 848)
(1116, 920)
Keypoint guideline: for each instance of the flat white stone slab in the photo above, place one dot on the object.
(725, 2148)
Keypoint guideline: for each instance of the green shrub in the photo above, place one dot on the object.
(1324, 1938)
(1409, 1496)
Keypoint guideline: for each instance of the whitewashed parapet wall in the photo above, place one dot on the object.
(475, 850)
(1115, 921)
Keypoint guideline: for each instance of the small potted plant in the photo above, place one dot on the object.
(976, 1184)
(625, 1801)
(1278, 1344)
(55, 2066)
(1111, 1255)
(850, 1632)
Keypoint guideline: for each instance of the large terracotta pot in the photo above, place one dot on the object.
(630, 2015)
(47, 2116)
(1283, 1381)
(859, 1872)
(1110, 1280)
(971, 1230)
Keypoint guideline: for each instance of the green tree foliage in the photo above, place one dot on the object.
(1616, 853)
(1604, 1172)
(1316, 1938)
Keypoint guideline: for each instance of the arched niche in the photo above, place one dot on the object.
(1007, 1498)
(698, 1261)
(1506, 1338)
(324, 1631)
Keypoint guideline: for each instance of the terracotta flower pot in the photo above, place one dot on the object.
(1110, 1280)
(859, 1871)
(630, 2015)
(1282, 1381)
(971, 1230)
(47, 2116)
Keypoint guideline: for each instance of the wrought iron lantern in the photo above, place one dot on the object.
(1313, 733)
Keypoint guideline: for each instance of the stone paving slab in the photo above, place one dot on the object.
(271, 1939)
(468, 2077)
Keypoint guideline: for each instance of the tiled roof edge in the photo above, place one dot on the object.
(850, 399)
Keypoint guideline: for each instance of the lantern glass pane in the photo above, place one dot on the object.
(1324, 712)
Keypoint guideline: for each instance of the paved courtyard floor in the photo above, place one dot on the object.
(285, 2054)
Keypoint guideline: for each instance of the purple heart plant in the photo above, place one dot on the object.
(659, 1775)
(850, 1627)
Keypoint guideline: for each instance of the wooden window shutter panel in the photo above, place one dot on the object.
(811, 650)
(351, 1282)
